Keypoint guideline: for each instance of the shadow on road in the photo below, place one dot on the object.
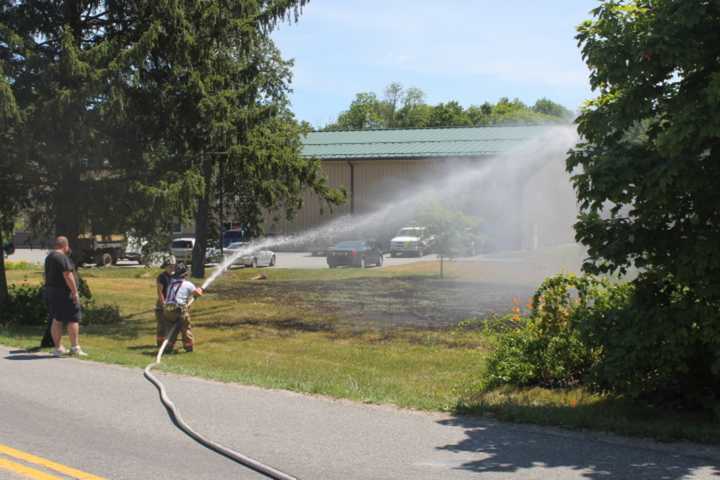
(29, 356)
(504, 448)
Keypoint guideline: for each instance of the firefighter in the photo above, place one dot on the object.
(161, 285)
(176, 309)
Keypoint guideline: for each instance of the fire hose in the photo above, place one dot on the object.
(174, 413)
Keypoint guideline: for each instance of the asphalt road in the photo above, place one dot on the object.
(107, 421)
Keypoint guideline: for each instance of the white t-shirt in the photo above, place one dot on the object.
(179, 292)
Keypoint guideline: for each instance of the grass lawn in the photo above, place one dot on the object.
(258, 339)
(380, 336)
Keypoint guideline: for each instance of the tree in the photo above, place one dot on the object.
(646, 176)
(415, 116)
(453, 231)
(72, 68)
(450, 114)
(222, 86)
(646, 171)
(406, 108)
(548, 107)
(365, 112)
(130, 109)
(11, 169)
(394, 96)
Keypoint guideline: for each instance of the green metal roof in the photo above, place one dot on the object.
(417, 143)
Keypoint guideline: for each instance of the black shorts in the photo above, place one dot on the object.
(61, 306)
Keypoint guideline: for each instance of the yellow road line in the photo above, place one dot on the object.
(28, 457)
(25, 471)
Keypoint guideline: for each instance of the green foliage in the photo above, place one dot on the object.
(548, 107)
(646, 179)
(663, 347)
(25, 306)
(365, 112)
(402, 108)
(651, 341)
(21, 265)
(548, 348)
(454, 231)
(646, 172)
(136, 115)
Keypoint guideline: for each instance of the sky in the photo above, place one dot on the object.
(471, 51)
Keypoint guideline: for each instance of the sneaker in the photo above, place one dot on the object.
(78, 351)
(59, 352)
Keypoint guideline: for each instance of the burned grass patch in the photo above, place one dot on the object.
(385, 302)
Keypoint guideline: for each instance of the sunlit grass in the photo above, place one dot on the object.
(269, 342)
(262, 342)
(578, 409)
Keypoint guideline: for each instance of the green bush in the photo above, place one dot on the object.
(650, 340)
(549, 347)
(663, 348)
(25, 306)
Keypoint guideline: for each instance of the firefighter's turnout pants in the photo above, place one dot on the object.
(167, 316)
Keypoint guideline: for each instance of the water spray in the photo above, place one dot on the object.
(484, 181)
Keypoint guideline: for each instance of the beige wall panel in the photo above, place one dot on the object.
(314, 212)
(378, 182)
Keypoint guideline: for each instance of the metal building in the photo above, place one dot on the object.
(372, 164)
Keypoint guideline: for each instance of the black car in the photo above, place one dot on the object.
(354, 253)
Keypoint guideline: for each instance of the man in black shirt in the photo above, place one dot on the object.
(161, 284)
(62, 297)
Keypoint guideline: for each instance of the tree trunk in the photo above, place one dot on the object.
(202, 225)
(442, 266)
(68, 194)
(3, 279)
(67, 219)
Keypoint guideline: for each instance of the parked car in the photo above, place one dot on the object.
(413, 241)
(253, 258)
(182, 248)
(233, 236)
(320, 245)
(355, 253)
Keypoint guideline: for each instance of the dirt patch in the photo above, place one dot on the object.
(387, 302)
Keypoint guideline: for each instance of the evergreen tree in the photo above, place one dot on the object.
(11, 177)
(221, 86)
(131, 108)
(69, 65)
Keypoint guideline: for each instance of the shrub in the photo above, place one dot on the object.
(25, 306)
(549, 348)
(652, 340)
(663, 348)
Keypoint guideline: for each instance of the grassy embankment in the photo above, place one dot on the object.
(306, 330)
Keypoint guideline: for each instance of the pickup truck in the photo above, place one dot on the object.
(182, 248)
(411, 241)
